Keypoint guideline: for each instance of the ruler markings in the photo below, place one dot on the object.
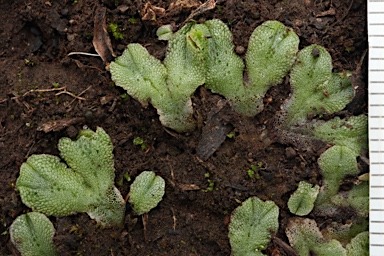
(376, 77)
(377, 218)
(376, 125)
(377, 183)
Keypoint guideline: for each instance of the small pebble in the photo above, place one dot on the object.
(239, 49)
(70, 37)
(64, 12)
(290, 152)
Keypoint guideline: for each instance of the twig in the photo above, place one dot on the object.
(144, 218)
(348, 10)
(283, 245)
(174, 219)
(208, 5)
(70, 94)
(84, 53)
(81, 93)
(43, 90)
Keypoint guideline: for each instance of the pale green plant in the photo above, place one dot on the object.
(271, 52)
(315, 89)
(359, 245)
(302, 200)
(146, 191)
(357, 197)
(305, 237)
(335, 164)
(204, 53)
(351, 132)
(169, 86)
(32, 235)
(345, 232)
(85, 184)
(252, 226)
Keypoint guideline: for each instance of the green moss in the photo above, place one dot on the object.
(116, 31)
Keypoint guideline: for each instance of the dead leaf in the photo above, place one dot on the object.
(358, 104)
(58, 125)
(101, 41)
(208, 5)
(187, 4)
(151, 12)
(189, 187)
(214, 133)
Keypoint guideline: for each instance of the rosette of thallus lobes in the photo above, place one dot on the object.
(203, 54)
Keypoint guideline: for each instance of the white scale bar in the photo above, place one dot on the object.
(376, 125)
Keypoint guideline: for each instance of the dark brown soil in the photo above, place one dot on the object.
(40, 84)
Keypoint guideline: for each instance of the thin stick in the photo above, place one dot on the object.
(44, 90)
(208, 5)
(84, 53)
(71, 94)
(81, 93)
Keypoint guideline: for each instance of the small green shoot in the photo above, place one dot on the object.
(219, 7)
(132, 20)
(140, 142)
(211, 186)
(121, 181)
(29, 62)
(124, 96)
(127, 177)
(114, 28)
(231, 135)
(211, 183)
(253, 170)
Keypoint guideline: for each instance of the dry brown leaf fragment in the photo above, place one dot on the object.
(187, 4)
(57, 125)
(151, 12)
(208, 5)
(101, 41)
(189, 187)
